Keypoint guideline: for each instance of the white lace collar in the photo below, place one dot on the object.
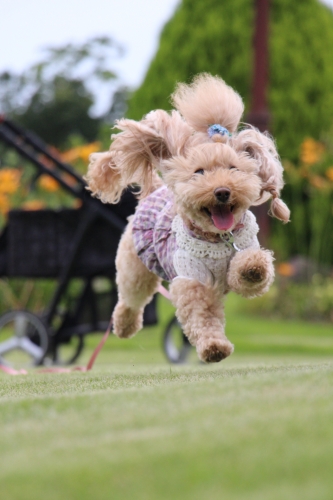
(201, 248)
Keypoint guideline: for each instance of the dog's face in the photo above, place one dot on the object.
(214, 182)
(213, 185)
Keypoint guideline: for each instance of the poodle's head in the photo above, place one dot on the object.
(213, 185)
(215, 172)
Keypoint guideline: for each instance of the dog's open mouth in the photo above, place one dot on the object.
(221, 216)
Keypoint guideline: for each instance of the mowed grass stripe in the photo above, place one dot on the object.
(194, 432)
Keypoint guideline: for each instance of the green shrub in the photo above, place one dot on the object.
(286, 299)
(309, 195)
(205, 35)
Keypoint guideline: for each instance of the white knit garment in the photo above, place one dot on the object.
(208, 262)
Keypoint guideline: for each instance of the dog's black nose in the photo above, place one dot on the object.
(222, 194)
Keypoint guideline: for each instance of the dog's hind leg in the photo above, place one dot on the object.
(200, 312)
(136, 287)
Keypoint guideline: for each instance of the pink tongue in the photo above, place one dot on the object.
(222, 217)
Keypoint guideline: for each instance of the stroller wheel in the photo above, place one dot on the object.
(67, 352)
(175, 345)
(24, 339)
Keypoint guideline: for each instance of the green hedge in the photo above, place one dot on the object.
(206, 35)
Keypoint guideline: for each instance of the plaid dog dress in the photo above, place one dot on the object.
(169, 249)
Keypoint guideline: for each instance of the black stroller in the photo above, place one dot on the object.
(66, 244)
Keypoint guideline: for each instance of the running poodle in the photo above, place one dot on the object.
(198, 177)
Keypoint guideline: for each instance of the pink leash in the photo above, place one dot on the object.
(11, 371)
(90, 363)
(163, 291)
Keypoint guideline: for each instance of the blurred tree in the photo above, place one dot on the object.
(206, 35)
(65, 113)
(118, 106)
(56, 97)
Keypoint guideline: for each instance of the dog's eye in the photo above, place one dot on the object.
(200, 171)
(232, 167)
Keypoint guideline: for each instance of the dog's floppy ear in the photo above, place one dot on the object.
(262, 149)
(136, 154)
(103, 178)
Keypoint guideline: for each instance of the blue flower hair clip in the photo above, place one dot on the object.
(218, 129)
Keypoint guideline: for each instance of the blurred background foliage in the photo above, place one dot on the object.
(205, 35)
(57, 99)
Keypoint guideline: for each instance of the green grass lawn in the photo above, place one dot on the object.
(256, 426)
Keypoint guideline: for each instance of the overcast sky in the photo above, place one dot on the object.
(28, 25)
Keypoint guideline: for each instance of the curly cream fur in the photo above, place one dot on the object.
(200, 312)
(136, 287)
(251, 272)
(201, 105)
(176, 149)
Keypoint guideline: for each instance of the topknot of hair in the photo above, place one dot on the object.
(206, 101)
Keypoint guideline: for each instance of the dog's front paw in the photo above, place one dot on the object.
(254, 274)
(251, 272)
(214, 350)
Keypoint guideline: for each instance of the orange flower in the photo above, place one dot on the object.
(80, 152)
(4, 204)
(286, 269)
(33, 205)
(47, 183)
(70, 155)
(88, 149)
(329, 173)
(311, 151)
(9, 180)
(318, 182)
